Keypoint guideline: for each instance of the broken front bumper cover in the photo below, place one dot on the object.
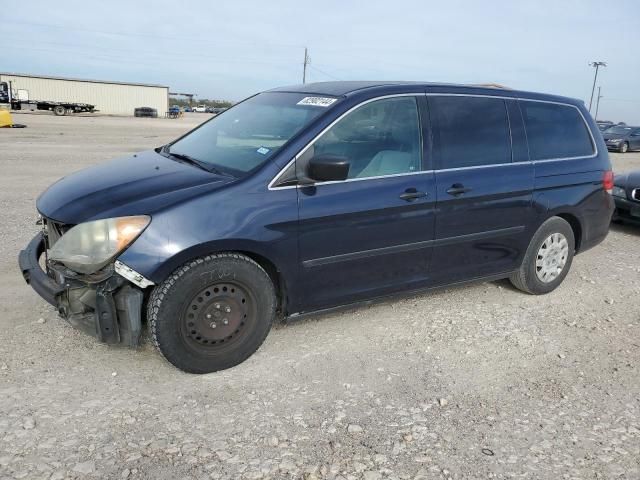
(107, 306)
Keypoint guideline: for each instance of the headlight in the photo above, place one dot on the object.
(88, 247)
(615, 140)
(619, 192)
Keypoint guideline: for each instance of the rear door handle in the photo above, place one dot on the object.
(411, 194)
(458, 189)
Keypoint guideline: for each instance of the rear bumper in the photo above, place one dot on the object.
(109, 308)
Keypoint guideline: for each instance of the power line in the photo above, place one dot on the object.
(162, 55)
(216, 41)
(323, 72)
(629, 100)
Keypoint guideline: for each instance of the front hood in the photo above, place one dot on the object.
(134, 185)
(628, 180)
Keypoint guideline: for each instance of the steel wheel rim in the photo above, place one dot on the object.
(217, 316)
(552, 257)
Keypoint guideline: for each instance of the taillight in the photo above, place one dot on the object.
(607, 181)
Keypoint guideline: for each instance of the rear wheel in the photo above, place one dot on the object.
(59, 110)
(548, 258)
(212, 313)
(624, 147)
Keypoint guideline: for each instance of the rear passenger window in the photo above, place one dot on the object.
(470, 131)
(555, 131)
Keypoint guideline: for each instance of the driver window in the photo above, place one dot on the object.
(379, 138)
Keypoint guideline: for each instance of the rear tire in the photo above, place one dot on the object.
(624, 148)
(59, 110)
(548, 258)
(212, 313)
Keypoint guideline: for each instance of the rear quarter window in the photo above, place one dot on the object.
(555, 131)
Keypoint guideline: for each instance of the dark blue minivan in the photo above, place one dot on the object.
(316, 196)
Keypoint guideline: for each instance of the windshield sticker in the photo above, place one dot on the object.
(263, 150)
(317, 101)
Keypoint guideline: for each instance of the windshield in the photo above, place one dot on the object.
(247, 135)
(618, 130)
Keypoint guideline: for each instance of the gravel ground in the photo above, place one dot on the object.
(468, 383)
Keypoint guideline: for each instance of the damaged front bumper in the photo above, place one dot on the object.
(106, 305)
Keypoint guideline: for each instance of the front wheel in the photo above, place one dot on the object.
(59, 110)
(212, 313)
(624, 147)
(548, 258)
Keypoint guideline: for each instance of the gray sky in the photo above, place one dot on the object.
(232, 49)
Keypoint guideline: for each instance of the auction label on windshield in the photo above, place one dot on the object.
(317, 101)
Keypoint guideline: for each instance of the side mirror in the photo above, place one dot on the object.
(327, 168)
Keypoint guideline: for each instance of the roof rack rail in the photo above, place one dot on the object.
(490, 85)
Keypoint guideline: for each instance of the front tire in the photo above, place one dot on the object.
(624, 147)
(212, 313)
(548, 258)
(59, 110)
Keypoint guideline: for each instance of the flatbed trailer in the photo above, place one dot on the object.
(58, 108)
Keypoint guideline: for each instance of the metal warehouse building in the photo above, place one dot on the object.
(113, 98)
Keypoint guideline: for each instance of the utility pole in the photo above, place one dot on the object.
(598, 103)
(307, 60)
(596, 65)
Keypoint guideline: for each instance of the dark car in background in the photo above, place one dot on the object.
(626, 193)
(145, 112)
(622, 138)
(311, 197)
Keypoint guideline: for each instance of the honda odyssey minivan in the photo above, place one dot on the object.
(311, 197)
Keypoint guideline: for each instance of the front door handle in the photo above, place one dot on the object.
(458, 189)
(411, 194)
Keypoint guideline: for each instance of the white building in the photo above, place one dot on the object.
(113, 98)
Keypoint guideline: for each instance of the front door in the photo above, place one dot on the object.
(370, 234)
(484, 187)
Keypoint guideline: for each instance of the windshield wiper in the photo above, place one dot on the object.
(193, 161)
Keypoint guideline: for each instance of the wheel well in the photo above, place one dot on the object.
(575, 226)
(274, 274)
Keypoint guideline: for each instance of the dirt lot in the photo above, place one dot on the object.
(475, 382)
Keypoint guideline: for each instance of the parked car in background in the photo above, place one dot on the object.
(622, 138)
(218, 110)
(145, 112)
(626, 193)
(200, 108)
(315, 196)
(188, 109)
